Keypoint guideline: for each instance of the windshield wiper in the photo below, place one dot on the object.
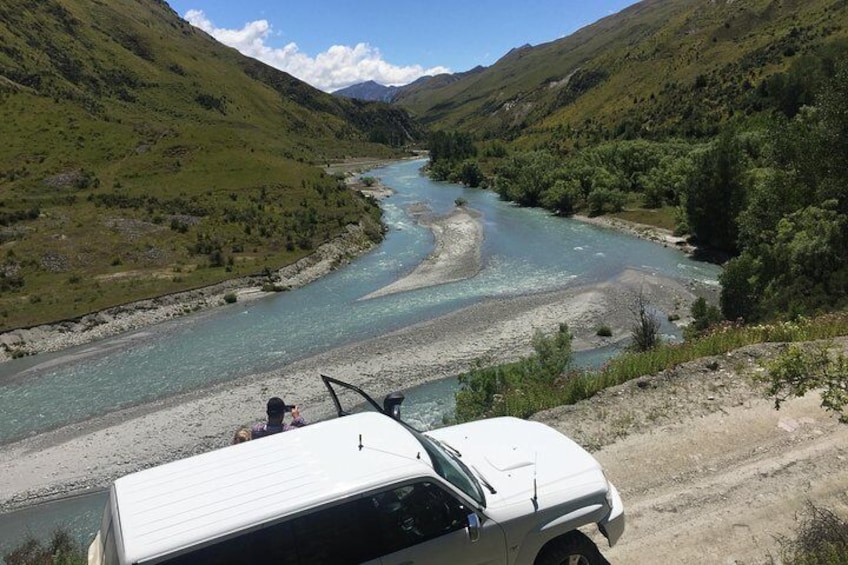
(454, 451)
(484, 481)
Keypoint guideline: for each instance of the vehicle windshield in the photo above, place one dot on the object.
(451, 468)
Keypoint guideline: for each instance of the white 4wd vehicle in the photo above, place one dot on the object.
(368, 488)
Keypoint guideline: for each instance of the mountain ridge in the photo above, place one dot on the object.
(638, 70)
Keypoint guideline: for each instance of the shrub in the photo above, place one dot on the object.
(646, 329)
(230, 297)
(703, 317)
(821, 539)
(516, 389)
(604, 331)
(797, 371)
(604, 200)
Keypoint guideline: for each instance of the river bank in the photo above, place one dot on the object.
(658, 235)
(144, 313)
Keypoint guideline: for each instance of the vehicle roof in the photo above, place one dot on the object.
(204, 497)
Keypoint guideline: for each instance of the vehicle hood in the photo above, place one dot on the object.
(511, 453)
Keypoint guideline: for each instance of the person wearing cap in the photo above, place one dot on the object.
(276, 410)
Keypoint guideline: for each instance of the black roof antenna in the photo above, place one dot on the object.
(535, 499)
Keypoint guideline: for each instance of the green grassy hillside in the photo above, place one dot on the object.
(660, 67)
(141, 157)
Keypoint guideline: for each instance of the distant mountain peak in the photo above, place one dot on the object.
(369, 90)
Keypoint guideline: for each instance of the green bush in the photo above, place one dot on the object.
(231, 298)
(703, 317)
(61, 550)
(515, 389)
(604, 331)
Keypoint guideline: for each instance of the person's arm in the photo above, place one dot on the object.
(297, 419)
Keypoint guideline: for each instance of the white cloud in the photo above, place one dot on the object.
(337, 67)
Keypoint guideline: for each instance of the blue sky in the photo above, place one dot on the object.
(335, 43)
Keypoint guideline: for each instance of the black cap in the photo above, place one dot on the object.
(276, 407)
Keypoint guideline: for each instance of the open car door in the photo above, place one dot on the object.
(350, 399)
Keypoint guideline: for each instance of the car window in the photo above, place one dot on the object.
(273, 544)
(413, 514)
(339, 535)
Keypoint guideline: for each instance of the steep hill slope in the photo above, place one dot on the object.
(140, 157)
(658, 67)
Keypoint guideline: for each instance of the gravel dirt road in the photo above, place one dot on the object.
(708, 470)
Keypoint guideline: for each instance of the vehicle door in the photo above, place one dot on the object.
(423, 524)
(349, 399)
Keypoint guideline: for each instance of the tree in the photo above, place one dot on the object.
(451, 146)
(602, 200)
(703, 316)
(794, 230)
(740, 291)
(833, 139)
(526, 177)
(470, 174)
(563, 197)
(717, 193)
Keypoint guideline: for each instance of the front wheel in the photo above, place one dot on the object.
(574, 548)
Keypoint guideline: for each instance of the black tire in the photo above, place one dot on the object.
(574, 548)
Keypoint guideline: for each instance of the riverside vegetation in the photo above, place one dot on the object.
(771, 199)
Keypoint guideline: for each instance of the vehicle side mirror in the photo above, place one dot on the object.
(391, 404)
(473, 527)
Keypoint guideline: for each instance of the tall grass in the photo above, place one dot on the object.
(511, 390)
